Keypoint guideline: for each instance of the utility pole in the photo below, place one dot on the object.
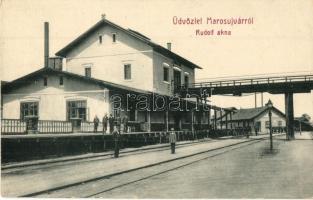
(270, 105)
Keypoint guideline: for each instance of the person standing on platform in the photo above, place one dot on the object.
(111, 123)
(118, 123)
(105, 123)
(95, 124)
(256, 129)
(172, 140)
(116, 137)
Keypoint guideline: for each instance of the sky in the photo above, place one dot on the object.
(279, 42)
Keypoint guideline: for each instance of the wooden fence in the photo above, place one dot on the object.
(49, 126)
(13, 126)
(17, 126)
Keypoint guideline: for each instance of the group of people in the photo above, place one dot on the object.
(121, 124)
(118, 125)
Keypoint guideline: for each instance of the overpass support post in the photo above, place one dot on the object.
(289, 116)
(231, 120)
(221, 121)
(226, 121)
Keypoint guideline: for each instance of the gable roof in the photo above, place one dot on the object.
(135, 34)
(248, 113)
(252, 113)
(46, 71)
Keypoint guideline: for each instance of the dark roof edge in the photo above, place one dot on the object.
(257, 115)
(97, 81)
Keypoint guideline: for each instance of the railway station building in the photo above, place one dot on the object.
(104, 62)
(254, 119)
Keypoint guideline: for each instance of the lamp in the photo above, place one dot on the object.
(269, 104)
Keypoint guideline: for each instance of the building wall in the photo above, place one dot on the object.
(159, 85)
(275, 119)
(52, 98)
(251, 123)
(108, 58)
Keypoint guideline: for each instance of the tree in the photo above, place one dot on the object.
(305, 117)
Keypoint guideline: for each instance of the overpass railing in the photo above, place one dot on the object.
(252, 81)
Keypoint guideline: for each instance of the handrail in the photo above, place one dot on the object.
(254, 81)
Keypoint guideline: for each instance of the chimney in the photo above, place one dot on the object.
(55, 63)
(46, 44)
(169, 46)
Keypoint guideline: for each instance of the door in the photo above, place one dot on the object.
(257, 126)
(177, 121)
(76, 113)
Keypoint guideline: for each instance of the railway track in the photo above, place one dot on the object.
(48, 164)
(101, 185)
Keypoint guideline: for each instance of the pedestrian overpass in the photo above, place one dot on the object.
(287, 85)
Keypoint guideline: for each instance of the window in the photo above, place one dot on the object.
(100, 39)
(146, 116)
(132, 114)
(177, 78)
(45, 81)
(88, 71)
(186, 80)
(267, 124)
(166, 74)
(114, 37)
(127, 72)
(76, 110)
(280, 123)
(29, 109)
(61, 80)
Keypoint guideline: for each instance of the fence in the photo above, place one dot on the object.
(17, 126)
(254, 81)
(13, 126)
(89, 127)
(48, 126)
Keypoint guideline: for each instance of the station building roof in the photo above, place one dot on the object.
(49, 71)
(248, 114)
(158, 48)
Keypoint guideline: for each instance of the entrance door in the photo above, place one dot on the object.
(177, 121)
(76, 113)
(257, 126)
(177, 79)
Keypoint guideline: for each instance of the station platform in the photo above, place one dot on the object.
(52, 176)
(20, 148)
